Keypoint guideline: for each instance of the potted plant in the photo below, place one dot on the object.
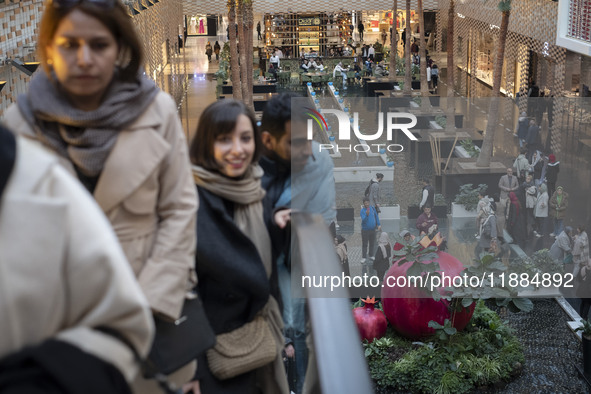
(389, 159)
(389, 209)
(466, 200)
(585, 329)
(467, 149)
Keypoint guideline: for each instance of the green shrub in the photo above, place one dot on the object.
(484, 353)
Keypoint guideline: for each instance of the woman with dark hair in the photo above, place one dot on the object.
(121, 136)
(234, 262)
(516, 219)
(216, 49)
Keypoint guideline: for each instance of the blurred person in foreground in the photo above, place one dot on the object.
(122, 138)
(72, 315)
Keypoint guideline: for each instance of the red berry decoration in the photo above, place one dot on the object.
(409, 311)
(371, 322)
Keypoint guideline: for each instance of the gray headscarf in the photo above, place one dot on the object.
(83, 137)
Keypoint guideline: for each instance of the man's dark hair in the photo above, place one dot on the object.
(379, 175)
(365, 199)
(427, 181)
(276, 114)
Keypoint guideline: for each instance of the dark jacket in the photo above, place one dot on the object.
(7, 156)
(516, 223)
(552, 170)
(232, 281)
(533, 135)
(381, 262)
(522, 128)
(57, 367)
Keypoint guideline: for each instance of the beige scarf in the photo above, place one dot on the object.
(247, 194)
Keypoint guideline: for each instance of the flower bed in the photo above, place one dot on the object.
(484, 354)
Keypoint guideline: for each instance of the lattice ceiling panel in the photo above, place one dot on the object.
(269, 6)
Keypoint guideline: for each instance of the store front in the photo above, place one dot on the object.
(201, 25)
(309, 35)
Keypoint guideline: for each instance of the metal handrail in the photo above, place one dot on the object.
(340, 360)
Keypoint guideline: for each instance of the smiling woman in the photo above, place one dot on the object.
(234, 262)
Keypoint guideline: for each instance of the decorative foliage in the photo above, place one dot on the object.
(439, 200)
(441, 120)
(469, 146)
(585, 327)
(468, 196)
(493, 286)
(486, 352)
(538, 263)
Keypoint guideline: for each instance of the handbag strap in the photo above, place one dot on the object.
(166, 386)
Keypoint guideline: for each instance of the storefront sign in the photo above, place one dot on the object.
(309, 21)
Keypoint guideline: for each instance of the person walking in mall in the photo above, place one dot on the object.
(583, 290)
(558, 206)
(541, 211)
(580, 249)
(521, 165)
(296, 172)
(370, 223)
(339, 69)
(216, 50)
(561, 249)
(522, 127)
(122, 137)
(235, 259)
(528, 196)
(259, 37)
(434, 76)
(360, 29)
(516, 220)
(533, 139)
(508, 183)
(382, 258)
(274, 60)
(488, 230)
(65, 282)
(374, 195)
(371, 52)
(428, 194)
(340, 245)
(208, 51)
(552, 169)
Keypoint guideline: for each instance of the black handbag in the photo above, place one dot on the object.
(179, 342)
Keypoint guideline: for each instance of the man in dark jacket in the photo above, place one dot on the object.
(552, 170)
(360, 29)
(290, 161)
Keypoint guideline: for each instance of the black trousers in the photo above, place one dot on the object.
(368, 240)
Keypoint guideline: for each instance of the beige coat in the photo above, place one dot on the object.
(62, 271)
(147, 192)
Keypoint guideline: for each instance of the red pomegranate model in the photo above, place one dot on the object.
(371, 322)
(409, 309)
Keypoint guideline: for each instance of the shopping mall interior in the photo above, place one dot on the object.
(545, 73)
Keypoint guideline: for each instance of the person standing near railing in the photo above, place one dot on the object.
(122, 138)
(65, 281)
